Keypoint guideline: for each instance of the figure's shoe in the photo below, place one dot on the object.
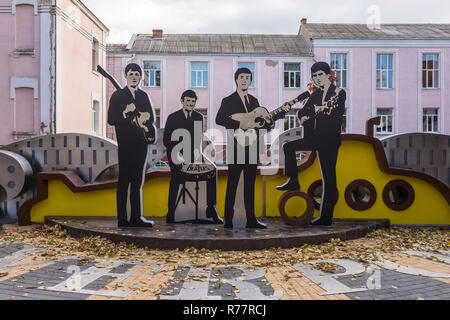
(255, 225)
(170, 218)
(122, 224)
(211, 212)
(322, 222)
(140, 223)
(228, 225)
(290, 185)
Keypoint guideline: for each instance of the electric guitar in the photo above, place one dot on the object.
(261, 118)
(140, 119)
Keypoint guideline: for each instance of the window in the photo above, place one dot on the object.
(292, 75)
(339, 64)
(291, 121)
(24, 110)
(430, 71)
(94, 54)
(344, 122)
(384, 71)
(95, 116)
(158, 118)
(430, 120)
(251, 66)
(152, 74)
(24, 26)
(204, 113)
(386, 121)
(199, 75)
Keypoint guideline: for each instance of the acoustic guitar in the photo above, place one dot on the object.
(261, 118)
(140, 119)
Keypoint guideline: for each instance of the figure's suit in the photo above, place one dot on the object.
(234, 105)
(322, 133)
(132, 150)
(180, 120)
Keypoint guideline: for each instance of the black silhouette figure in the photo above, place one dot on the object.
(195, 168)
(321, 118)
(131, 113)
(238, 103)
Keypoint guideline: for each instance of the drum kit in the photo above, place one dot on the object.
(194, 172)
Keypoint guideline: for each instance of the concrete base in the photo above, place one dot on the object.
(172, 236)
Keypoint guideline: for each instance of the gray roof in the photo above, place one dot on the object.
(115, 47)
(243, 44)
(386, 31)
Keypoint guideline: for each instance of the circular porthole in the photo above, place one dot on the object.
(305, 202)
(398, 195)
(315, 192)
(360, 195)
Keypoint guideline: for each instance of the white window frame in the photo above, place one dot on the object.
(151, 74)
(204, 113)
(95, 110)
(433, 71)
(295, 85)
(33, 3)
(158, 117)
(204, 74)
(292, 120)
(344, 121)
(385, 120)
(430, 117)
(95, 53)
(340, 71)
(387, 70)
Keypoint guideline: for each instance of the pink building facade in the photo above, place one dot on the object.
(396, 72)
(211, 74)
(48, 84)
(50, 49)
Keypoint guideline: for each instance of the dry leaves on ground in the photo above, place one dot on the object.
(57, 242)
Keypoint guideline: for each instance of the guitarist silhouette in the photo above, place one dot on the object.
(321, 118)
(131, 113)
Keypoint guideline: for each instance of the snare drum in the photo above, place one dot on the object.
(197, 171)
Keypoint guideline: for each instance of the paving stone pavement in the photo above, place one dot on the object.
(409, 276)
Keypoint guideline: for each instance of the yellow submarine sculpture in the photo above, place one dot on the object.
(367, 189)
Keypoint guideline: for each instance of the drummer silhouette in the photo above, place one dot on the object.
(190, 121)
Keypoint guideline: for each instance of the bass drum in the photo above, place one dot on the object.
(197, 172)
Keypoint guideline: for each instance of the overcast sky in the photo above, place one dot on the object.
(125, 17)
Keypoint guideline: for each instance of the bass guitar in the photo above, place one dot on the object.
(140, 119)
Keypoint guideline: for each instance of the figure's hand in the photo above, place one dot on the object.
(286, 107)
(130, 108)
(143, 117)
(319, 108)
(304, 119)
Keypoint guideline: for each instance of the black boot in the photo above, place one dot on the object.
(326, 216)
(322, 222)
(228, 225)
(253, 223)
(122, 224)
(139, 223)
(290, 185)
(211, 212)
(170, 217)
